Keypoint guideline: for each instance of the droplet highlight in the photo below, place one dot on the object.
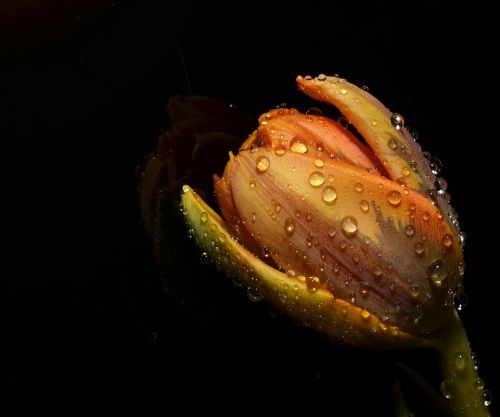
(316, 179)
(329, 194)
(262, 164)
(349, 226)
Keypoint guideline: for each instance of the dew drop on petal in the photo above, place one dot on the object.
(414, 291)
(426, 216)
(204, 217)
(266, 252)
(409, 230)
(289, 226)
(252, 182)
(329, 195)
(319, 163)
(487, 397)
(447, 241)
(460, 300)
(358, 187)
(392, 143)
(316, 179)
(279, 150)
(298, 146)
(343, 91)
(349, 226)
(394, 198)
(262, 164)
(460, 362)
(322, 77)
(419, 248)
(365, 315)
(445, 390)
(364, 206)
(437, 273)
(397, 121)
(313, 283)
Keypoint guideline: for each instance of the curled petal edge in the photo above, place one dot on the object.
(316, 309)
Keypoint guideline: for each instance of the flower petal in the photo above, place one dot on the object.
(385, 133)
(369, 240)
(315, 308)
(392, 143)
(287, 129)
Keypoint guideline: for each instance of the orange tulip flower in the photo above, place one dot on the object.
(356, 240)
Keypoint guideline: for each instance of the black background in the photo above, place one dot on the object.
(83, 99)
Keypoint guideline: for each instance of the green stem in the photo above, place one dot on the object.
(461, 383)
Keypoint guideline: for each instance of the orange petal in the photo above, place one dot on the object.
(359, 232)
(287, 129)
(384, 132)
(311, 306)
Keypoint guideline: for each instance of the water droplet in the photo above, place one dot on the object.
(365, 315)
(253, 182)
(479, 384)
(397, 121)
(314, 111)
(349, 226)
(329, 194)
(394, 198)
(254, 217)
(222, 237)
(445, 390)
(419, 248)
(316, 179)
(204, 258)
(343, 91)
(460, 300)
(298, 146)
(365, 88)
(289, 226)
(426, 216)
(358, 187)
(313, 283)
(277, 207)
(342, 245)
(377, 272)
(441, 184)
(414, 291)
(437, 272)
(319, 163)
(254, 295)
(460, 362)
(447, 241)
(266, 252)
(262, 164)
(406, 171)
(331, 232)
(309, 241)
(279, 150)
(409, 230)
(364, 205)
(435, 165)
(487, 397)
(204, 217)
(355, 258)
(392, 144)
(373, 122)
(322, 77)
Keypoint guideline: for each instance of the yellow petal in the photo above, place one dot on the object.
(315, 308)
(369, 240)
(391, 142)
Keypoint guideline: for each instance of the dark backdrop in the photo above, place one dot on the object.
(84, 87)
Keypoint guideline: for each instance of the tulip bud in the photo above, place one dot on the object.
(352, 239)
(307, 197)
